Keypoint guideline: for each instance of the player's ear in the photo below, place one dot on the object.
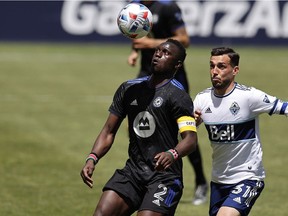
(235, 70)
(178, 65)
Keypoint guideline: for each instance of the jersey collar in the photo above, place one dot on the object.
(227, 94)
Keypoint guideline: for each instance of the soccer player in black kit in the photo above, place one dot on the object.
(158, 109)
(168, 23)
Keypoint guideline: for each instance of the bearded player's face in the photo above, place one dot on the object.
(221, 71)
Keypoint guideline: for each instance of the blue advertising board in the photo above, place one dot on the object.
(208, 22)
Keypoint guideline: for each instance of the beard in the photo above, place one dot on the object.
(220, 84)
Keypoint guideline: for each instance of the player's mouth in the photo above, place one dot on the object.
(216, 79)
(154, 61)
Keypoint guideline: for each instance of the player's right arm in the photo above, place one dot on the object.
(197, 116)
(146, 42)
(101, 146)
(181, 35)
(197, 111)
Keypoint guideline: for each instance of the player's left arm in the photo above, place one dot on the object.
(263, 103)
(187, 129)
(188, 132)
(280, 107)
(181, 35)
(186, 125)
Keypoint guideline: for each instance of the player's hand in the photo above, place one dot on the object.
(197, 116)
(87, 172)
(163, 161)
(132, 58)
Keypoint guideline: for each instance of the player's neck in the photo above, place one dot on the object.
(224, 91)
(156, 81)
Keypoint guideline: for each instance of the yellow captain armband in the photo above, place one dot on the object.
(186, 123)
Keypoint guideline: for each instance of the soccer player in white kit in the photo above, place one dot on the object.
(230, 113)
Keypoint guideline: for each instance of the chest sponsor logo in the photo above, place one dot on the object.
(224, 134)
(144, 124)
(231, 132)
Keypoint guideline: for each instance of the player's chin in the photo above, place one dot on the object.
(216, 84)
(154, 67)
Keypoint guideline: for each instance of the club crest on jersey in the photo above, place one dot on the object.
(158, 102)
(234, 108)
(266, 99)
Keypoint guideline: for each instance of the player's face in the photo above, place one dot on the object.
(164, 59)
(222, 73)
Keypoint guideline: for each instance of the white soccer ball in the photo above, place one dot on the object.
(135, 20)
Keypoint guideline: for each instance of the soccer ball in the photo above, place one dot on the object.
(135, 20)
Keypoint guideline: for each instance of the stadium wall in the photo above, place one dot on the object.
(262, 22)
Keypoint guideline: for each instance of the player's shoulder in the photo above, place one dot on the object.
(176, 91)
(165, 2)
(205, 91)
(177, 85)
(132, 82)
(243, 90)
(136, 81)
(242, 87)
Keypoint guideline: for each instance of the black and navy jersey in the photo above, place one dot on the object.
(152, 117)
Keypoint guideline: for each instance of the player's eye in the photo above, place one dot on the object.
(166, 52)
(221, 66)
(157, 50)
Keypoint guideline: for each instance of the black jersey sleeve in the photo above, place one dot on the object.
(182, 105)
(117, 106)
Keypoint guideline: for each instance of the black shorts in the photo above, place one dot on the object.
(161, 193)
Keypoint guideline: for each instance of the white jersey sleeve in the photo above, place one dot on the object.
(260, 102)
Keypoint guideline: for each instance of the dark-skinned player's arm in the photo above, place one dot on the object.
(188, 144)
(101, 146)
(150, 43)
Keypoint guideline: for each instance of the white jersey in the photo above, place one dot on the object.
(232, 125)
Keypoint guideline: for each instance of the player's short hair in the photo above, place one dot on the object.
(182, 50)
(234, 56)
